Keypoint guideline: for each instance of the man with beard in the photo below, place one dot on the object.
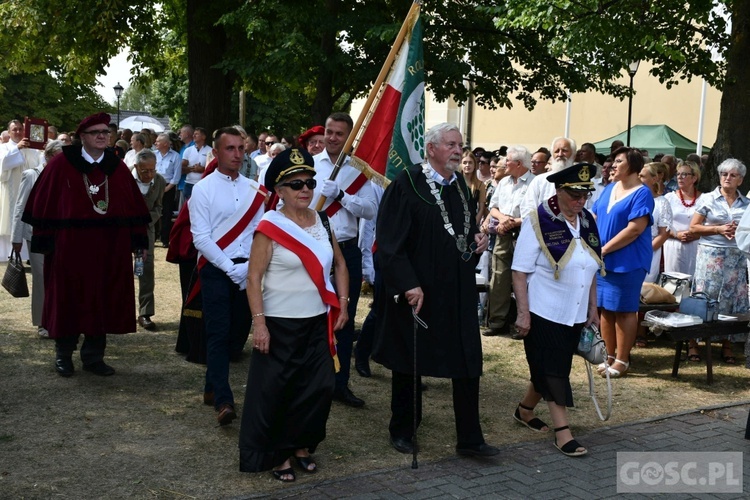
(563, 151)
(429, 245)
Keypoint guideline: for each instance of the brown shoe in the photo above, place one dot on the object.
(226, 414)
(146, 323)
(208, 398)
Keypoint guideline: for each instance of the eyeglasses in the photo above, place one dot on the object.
(466, 256)
(578, 196)
(538, 162)
(729, 174)
(298, 184)
(685, 174)
(97, 132)
(147, 172)
(320, 142)
(270, 143)
(484, 161)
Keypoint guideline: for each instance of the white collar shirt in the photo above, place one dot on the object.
(215, 198)
(169, 166)
(509, 194)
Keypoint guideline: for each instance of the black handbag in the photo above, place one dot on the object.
(14, 279)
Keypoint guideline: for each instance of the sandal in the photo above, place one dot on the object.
(641, 342)
(603, 366)
(572, 448)
(534, 424)
(279, 474)
(616, 373)
(305, 463)
(693, 354)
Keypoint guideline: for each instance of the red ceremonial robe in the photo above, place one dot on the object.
(88, 266)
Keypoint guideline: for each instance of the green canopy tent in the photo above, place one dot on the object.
(654, 139)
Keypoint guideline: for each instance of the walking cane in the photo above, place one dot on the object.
(417, 323)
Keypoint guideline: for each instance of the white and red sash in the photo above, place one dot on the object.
(232, 227)
(316, 257)
(348, 179)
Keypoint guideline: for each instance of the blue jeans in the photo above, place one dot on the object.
(227, 318)
(345, 336)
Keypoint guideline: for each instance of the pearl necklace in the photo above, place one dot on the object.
(682, 199)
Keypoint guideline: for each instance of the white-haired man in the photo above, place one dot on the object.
(563, 152)
(429, 245)
(505, 206)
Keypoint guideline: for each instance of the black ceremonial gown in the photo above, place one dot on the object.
(416, 250)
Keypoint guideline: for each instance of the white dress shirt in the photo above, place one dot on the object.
(539, 190)
(193, 155)
(215, 198)
(363, 204)
(509, 194)
(169, 166)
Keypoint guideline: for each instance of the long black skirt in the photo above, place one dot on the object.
(549, 351)
(289, 392)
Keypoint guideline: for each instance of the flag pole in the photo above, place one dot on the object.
(410, 18)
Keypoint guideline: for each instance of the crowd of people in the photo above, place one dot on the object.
(275, 237)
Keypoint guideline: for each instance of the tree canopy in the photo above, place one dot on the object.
(298, 60)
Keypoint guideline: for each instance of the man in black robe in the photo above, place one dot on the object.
(88, 217)
(429, 244)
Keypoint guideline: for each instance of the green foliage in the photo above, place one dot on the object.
(41, 95)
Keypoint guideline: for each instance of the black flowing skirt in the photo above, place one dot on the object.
(549, 350)
(289, 393)
(191, 335)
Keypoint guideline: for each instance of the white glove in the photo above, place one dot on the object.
(330, 189)
(238, 274)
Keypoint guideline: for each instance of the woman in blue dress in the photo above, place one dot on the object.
(623, 214)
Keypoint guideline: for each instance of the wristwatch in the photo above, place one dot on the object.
(341, 195)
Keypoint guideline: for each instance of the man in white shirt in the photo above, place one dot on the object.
(137, 143)
(261, 145)
(563, 151)
(15, 157)
(264, 160)
(505, 206)
(168, 165)
(349, 197)
(194, 160)
(218, 206)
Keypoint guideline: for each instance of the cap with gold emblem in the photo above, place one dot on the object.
(576, 178)
(286, 163)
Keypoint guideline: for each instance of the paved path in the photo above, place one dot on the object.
(537, 470)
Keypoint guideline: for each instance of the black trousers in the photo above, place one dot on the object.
(92, 349)
(465, 408)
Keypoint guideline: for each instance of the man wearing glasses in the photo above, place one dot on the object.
(151, 185)
(89, 218)
(483, 160)
(263, 160)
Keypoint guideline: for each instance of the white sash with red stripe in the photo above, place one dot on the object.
(316, 257)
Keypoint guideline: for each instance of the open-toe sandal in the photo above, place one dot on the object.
(305, 463)
(279, 474)
(614, 373)
(603, 366)
(534, 424)
(693, 355)
(572, 448)
(641, 342)
(728, 358)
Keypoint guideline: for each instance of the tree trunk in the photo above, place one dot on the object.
(734, 119)
(209, 89)
(322, 105)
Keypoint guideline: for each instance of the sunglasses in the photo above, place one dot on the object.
(298, 184)
(469, 253)
(270, 143)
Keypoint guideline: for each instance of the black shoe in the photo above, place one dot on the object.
(482, 450)
(100, 368)
(363, 368)
(494, 332)
(345, 395)
(146, 323)
(64, 366)
(402, 445)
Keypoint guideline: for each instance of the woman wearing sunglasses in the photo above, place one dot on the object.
(295, 312)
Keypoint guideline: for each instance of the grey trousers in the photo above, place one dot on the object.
(37, 286)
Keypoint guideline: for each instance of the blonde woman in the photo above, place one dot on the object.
(651, 178)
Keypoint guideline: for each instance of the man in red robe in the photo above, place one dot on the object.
(88, 217)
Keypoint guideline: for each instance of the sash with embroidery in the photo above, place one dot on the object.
(231, 228)
(316, 257)
(556, 240)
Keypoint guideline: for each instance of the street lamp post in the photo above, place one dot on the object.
(632, 70)
(118, 92)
